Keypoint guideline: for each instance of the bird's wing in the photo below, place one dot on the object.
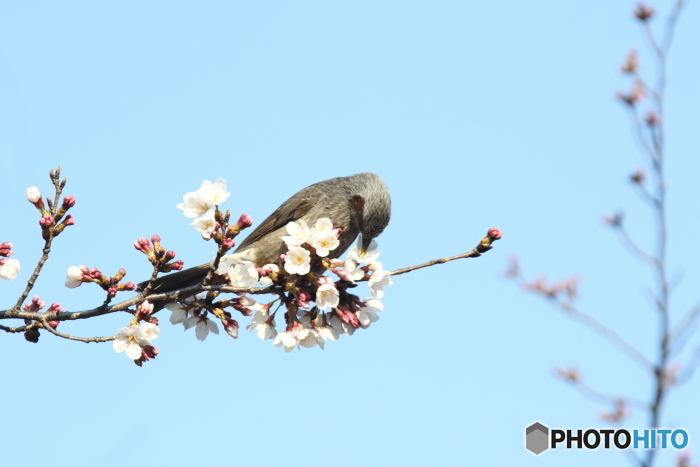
(291, 210)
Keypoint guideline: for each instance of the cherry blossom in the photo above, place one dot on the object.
(202, 326)
(9, 268)
(130, 340)
(299, 233)
(297, 261)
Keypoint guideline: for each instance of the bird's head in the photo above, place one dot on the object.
(373, 208)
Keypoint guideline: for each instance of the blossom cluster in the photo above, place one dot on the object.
(77, 275)
(136, 339)
(53, 221)
(35, 306)
(201, 205)
(317, 308)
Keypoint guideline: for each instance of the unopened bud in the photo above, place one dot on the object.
(231, 327)
(638, 177)
(34, 197)
(494, 234)
(652, 118)
(643, 12)
(69, 220)
(35, 305)
(127, 286)
(68, 202)
(55, 307)
(245, 221)
(6, 249)
(177, 265)
(228, 243)
(45, 222)
(169, 255)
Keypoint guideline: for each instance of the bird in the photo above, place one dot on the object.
(357, 204)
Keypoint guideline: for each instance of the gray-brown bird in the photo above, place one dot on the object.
(359, 204)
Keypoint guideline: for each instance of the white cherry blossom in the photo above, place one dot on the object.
(369, 256)
(243, 274)
(202, 325)
(297, 260)
(130, 340)
(368, 314)
(324, 243)
(260, 323)
(215, 192)
(377, 281)
(195, 205)
(9, 268)
(299, 233)
(327, 296)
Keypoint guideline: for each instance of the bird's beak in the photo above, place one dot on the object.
(365, 245)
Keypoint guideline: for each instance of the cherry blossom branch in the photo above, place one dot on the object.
(101, 310)
(649, 132)
(49, 236)
(48, 327)
(573, 377)
(553, 294)
(482, 247)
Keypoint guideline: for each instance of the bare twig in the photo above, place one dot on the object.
(87, 340)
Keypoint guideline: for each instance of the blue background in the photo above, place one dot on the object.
(477, 115)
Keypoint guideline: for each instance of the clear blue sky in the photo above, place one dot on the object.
(477, 115)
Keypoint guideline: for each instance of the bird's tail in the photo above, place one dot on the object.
(178, 280)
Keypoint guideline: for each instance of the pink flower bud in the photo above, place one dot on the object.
(149, 352)
(228, 243)
(69, 220)
(652, 118)
(46, 222)
(177, 265)
(95, 273)
(54, 324)
(6, 249)
(170, 254)
(643, 12)
(127, 286)
(231, 327)
(243, 310)
(143, 245)
(143, 312)
(112, 291)
(341, 273)
(323, 280)
(155, 239)
(35, 305)
(494, 234)
(348, 317)
(245, 221)
(55, 307)
(119, 275)
(68, 202)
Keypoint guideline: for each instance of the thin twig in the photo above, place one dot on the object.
(633, 247)
(606, 332)
(87, 340)
(599, 397)
(471, 254)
